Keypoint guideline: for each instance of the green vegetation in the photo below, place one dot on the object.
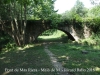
(30, 56)
(23, 10)
(52, 35)
(5, 41)
(84, 58)
(85, 54)
(80, 16)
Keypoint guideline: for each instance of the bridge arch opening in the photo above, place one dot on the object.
(54, 35)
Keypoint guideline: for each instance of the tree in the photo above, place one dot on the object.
(95, 11)
(43, 10)
(95, 2)
(79, 9)
(55, 19)
(15, 10)
(77, 12)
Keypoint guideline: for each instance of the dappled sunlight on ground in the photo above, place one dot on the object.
(49, 37)
(72, 57)
(55, 36)
(25, 61)
(25, 47)
(97, 69)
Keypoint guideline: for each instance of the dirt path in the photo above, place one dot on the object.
(56, 64)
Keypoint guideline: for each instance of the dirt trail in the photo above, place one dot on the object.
(56, 64)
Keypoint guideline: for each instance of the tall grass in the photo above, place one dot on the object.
(93, 40)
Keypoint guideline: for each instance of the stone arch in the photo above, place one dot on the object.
(67, 33)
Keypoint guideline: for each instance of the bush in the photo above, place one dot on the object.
(6, 42)
(93, 23)
(10, 46)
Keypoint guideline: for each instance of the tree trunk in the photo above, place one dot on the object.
(17, 30)
(15, 34)
(25, 22)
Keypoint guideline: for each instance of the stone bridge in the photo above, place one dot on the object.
(35, 27)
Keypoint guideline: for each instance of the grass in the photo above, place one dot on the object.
(78, 63)
(30, 57)
(30, 60)
(57, 36)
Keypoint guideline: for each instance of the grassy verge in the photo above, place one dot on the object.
(30, 60)
(74, 58)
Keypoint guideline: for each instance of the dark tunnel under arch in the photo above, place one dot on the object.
(69, 35)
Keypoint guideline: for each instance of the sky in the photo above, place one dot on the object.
(64, 5)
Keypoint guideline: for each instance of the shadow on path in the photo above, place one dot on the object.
(59, 68)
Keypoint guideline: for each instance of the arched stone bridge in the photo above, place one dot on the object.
(35, 27)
